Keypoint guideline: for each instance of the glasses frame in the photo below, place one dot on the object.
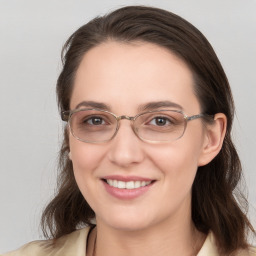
(66, 117)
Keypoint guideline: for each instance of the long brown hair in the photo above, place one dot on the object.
(217, 203)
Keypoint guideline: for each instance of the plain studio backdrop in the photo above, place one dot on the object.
(31, 36)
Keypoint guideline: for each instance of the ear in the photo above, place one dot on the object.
(66, 138)
(70, 155)
(214, 136)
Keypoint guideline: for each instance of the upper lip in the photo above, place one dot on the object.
(126, 178)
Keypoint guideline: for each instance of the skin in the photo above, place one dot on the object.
(125, 77)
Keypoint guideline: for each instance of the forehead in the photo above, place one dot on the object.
(131, 74)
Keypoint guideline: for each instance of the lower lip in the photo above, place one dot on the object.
(126, 194)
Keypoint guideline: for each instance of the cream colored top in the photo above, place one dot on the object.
(74, 244)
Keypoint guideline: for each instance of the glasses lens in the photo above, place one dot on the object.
(92, 125)
(160, 126)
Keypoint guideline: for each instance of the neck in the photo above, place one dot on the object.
(159, 240)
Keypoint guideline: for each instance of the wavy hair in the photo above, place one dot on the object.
(217, 202)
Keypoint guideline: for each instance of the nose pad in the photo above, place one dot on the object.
(125, 148)
(126, 117)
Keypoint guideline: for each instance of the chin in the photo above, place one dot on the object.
(127, 221)
(130, 226)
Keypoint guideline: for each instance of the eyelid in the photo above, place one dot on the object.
(165, 119)
(103, 115)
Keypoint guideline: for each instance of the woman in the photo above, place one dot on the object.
(147, 164)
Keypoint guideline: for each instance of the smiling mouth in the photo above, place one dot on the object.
(127, 185)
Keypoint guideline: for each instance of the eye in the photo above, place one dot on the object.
(94, 120)
(160, 121)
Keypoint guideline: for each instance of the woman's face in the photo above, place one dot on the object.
(125, 78)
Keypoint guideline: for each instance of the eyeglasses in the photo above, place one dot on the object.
(98, 126)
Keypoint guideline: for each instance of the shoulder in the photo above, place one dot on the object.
(71, 244)
(252, 251)
(248, 252)
(210, 248)
(32, 248)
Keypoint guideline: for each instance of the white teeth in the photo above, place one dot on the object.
(127, 185)
(121, 184)
(137, 184)
(114, 183)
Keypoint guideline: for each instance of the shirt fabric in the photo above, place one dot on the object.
(74, 244)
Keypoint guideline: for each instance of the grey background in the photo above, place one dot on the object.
(31, 36)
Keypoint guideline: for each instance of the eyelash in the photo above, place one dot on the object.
(89, 120)
(167, 120)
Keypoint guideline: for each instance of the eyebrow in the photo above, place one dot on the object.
(159, 104)
(144, 107)
(93, 104)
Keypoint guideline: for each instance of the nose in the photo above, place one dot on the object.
(126, 148)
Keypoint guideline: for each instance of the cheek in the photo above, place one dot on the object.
(178, 170)
(178, 163)
(85, 157)
(85, 160)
